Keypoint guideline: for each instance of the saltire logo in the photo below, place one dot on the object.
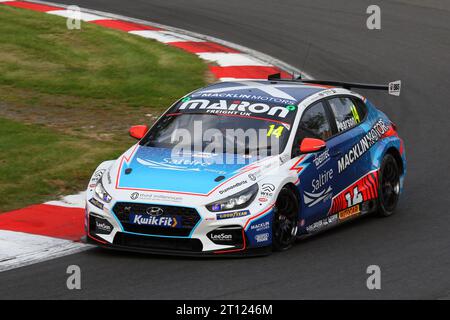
(311, 199)
(166, 166)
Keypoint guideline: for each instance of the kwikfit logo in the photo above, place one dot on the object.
(140, 219)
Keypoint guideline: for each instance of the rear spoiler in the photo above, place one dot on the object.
(393, 87)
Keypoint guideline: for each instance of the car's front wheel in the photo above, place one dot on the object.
(389, 186)
(285, 218)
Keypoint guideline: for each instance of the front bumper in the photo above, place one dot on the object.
(205, 237)
(248, 252)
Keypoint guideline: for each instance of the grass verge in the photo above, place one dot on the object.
(67, 98)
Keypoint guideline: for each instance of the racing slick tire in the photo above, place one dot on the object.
(388, 186)
(285, 219)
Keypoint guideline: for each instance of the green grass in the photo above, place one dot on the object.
(67, 98)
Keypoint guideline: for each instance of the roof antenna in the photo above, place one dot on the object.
(305, 59)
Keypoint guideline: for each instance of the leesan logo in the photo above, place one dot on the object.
(371, 137)
(234, 107)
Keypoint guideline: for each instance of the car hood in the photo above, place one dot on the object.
(148, 168)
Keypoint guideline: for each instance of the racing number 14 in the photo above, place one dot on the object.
(353, 198)
(276, 132)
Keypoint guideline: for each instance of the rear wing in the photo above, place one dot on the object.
(393, 87)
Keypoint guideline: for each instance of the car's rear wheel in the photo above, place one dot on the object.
(284, 229)
(389, 186)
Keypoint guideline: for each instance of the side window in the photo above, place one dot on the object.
(360, 107)
(346, 113)
(315, 121)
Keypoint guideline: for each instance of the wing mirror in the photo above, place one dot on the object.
(138, 132)
(309, 145)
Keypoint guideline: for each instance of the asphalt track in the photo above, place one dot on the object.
(327, 39)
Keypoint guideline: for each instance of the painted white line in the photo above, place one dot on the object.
(164, 36)
(19, 249)
(232, 59)
(83, 16)
(71, 201)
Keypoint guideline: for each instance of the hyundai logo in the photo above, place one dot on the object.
(154, 211)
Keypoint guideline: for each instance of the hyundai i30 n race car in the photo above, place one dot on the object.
(247, 168)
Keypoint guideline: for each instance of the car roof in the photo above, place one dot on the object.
(280, 92)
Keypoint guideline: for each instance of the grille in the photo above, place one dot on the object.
(130, 240)
(189, 218)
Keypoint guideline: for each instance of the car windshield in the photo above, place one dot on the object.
(222, 126)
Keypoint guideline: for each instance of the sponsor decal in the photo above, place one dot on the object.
(231, 215)
(235, 107)
(103, 226)
(262, 237)
(351, 122)
(359, 149)
(221, 237)
(260, 226)
(226, 236)
(96, 203)
(160, 221)
(238, 184)
(322, 180)
(311, 199)
(154, 197)
(97, 175)
(181, 164)
(281, 98)
(318, 225)
(346, 124)
(108, 176)
(267, 190)
(321, 158)
(349, 212)
(134, 195)
(364, 189)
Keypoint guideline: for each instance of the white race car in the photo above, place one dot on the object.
(246, 168)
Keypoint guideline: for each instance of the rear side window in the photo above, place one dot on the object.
(346, 112)
(315, 121)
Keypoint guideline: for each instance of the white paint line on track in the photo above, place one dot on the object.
(19, 249)
(231, 59)
(83, 16)
(164, 36)
(71, 201)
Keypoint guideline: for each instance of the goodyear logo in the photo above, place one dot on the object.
(162, 221)
(234, 214)
(349, 212)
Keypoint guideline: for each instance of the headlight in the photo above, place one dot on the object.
(237, 201)
(101, 192)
